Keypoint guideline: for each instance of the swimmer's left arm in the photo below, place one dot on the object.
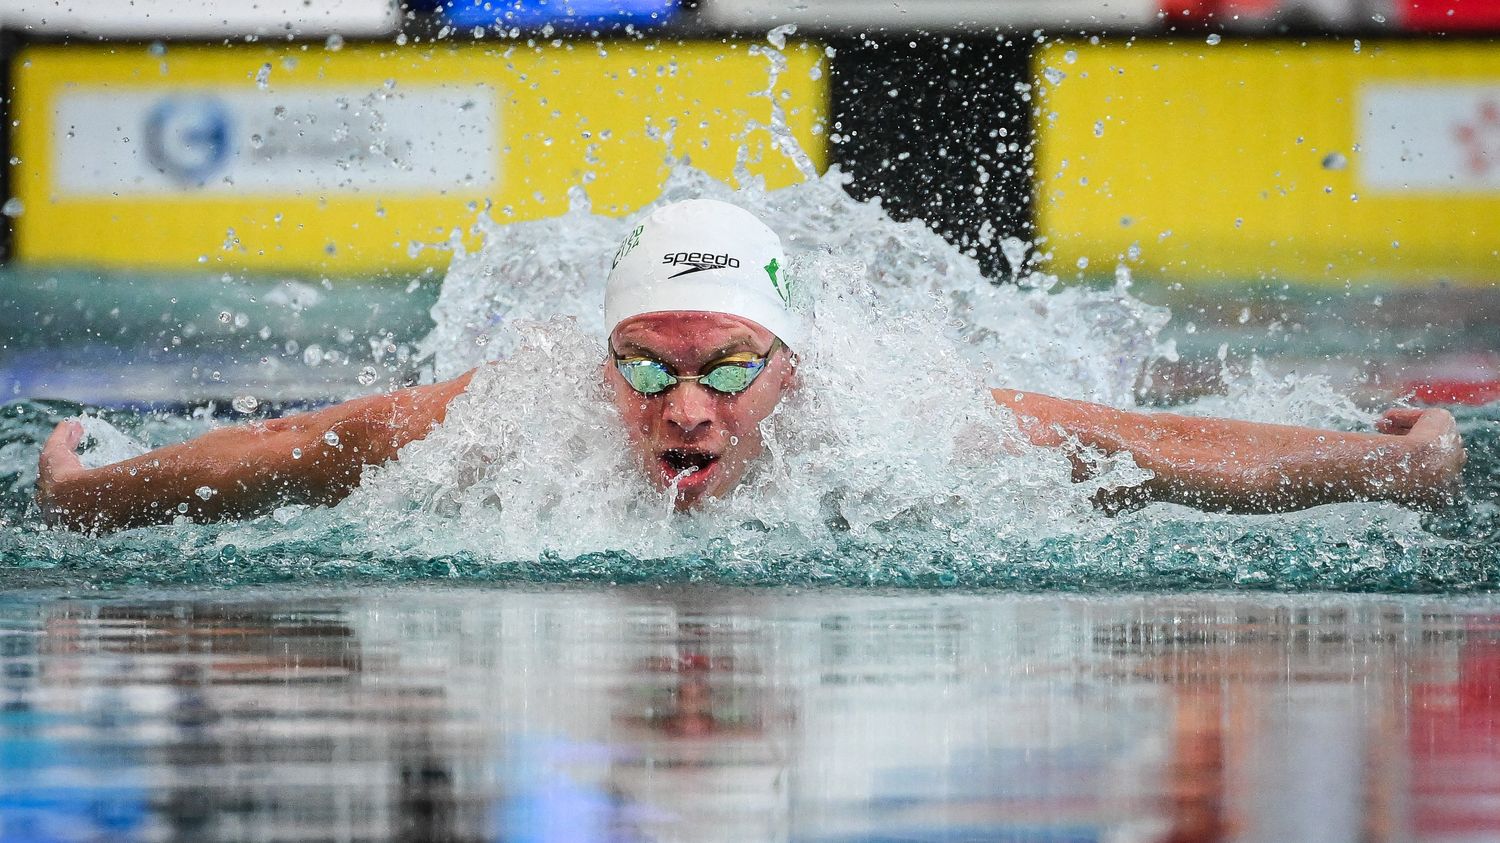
(1237, 466)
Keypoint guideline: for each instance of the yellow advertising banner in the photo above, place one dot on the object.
(303, 158)
(1328, 161)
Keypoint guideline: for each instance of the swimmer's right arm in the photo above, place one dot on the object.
(315, 457)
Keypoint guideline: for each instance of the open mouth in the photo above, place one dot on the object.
(679, 460)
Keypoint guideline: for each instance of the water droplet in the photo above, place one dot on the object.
(204, 492)
(366, 376)
(157, 49)
(245, 403)
(225, 316)
(334, 43)
(296, 453)
(182, 507)
(263, 76)
(1213, 39)
(1054, 75)
(777, 36)
(312, 355)
(332, 438)
(1070, 56)
(1098, 128)
(13, 207)
(1335, 161)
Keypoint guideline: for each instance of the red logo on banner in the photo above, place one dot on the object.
(1480, 138)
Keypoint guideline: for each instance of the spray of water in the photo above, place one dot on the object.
(891, 440)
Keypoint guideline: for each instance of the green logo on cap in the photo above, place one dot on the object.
(783, 289)
(629, 244)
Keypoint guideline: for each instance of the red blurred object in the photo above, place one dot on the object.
(1453, 391)
(1177, 10)
(1455, 745)
(1410, 15)
(1448, 15)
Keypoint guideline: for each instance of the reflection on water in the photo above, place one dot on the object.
(425, 714)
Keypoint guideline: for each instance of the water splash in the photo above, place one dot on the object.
(892, 441)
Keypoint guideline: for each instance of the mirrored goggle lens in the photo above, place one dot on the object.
(646, 376)
(731, 377)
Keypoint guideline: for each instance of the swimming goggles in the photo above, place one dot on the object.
(729, 376)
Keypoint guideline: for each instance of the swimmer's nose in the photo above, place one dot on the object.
(689, 407)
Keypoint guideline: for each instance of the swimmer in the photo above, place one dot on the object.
(702, 346)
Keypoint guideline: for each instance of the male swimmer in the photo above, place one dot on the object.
(702, 346)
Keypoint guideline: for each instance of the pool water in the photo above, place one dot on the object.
(702, 713)
(888, 466)
(899, 629)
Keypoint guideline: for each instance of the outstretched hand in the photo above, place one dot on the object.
(59, 465)
(1426, 469)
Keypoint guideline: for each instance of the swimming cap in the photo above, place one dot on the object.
(703, 255)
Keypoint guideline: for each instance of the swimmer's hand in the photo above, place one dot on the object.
(233, 472)
(1425, 467)
(1238, 466)
(59, 471)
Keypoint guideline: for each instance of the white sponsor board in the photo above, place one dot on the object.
(200, 18)
(1430, 137)
(307, 141)
(947, 14)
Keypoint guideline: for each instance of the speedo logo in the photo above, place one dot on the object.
(698, 262)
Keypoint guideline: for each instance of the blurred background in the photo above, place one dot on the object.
(260, 199)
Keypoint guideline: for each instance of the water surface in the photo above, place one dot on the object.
(708, 713)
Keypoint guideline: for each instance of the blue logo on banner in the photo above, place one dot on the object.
(188, 138)
(561, 13)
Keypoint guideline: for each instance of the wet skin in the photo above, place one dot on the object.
(702, 438)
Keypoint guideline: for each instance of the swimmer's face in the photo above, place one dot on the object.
(691, 425)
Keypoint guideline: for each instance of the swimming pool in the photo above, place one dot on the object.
(456, 654)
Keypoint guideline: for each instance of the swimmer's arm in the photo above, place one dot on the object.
(248, 469)
(1238, 466)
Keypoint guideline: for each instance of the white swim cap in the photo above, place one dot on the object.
(703, 255)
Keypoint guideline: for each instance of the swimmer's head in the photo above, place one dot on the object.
(701, 321)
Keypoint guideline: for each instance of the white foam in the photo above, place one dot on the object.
(893, 423)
